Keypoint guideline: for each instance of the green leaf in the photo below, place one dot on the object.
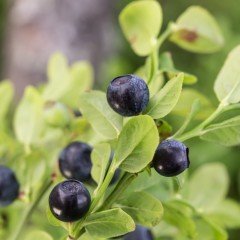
(150, 184)
(136, 144)
(66, 83)
(81, 80)
(196, 30)
(104, 120)
(143, 208)
(184, 105)
(37, 234)
(208, 186)
(180, 215)
(226, 214)
(141, 23)
(207, 230)
(59, 78)
(163, 102)
(28, 118)
(100, 159)
(227, 84)
(167, 66)
(108, 224)
(6, 97)
(226, 133)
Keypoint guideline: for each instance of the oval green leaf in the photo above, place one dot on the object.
(141, 23)
(196, 30)
(143, 208)
(109, 223)
(137, 144)
(163, 102)
(104, 120)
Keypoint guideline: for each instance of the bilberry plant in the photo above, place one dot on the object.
(125, 131)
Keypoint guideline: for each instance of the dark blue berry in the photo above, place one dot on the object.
(128, 95)
(140, 233)
(9, 186)
(171, 158)
(69, 201)
(75, 161)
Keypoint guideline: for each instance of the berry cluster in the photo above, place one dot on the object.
(70, 200)
(127, 95)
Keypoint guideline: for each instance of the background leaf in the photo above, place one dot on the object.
(226, 133)
(6, 97)
(136, 144)
(207, 186)
(108, 224)
(143, 208)
(163, 102)
(28, 117)
(37, 234)
(184, 105)
(104, 120)
(227, 84)
(141, 22)
(197, 31)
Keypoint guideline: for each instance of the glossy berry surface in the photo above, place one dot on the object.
(75, 161)
(128, 95)
(9, 186)
(140, 233)
(171, 158)
(69, 201)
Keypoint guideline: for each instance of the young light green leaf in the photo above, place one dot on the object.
(28, 119)
(143, 208)
(109, 223)
(213, 181)
(184, 105)
(227, 84)
(163, 102)
(226, 214)
(226, 133)
(6, 97)
(141, 22)
(81, 80)
(59, 78)
(104, 120)
(137, 144)
(100, 159)
(199, 34)
(37, 234)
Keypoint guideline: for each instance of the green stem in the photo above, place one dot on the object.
(165, 35)
(101, 191)
(28, 212)
(198, 131)
(126, 179)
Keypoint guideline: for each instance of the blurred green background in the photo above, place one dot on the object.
(122, 60)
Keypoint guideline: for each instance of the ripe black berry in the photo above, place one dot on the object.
(9, 186)
(171, 158)
(128, 95)
(75, 161)
(140, 233)
(69, 201)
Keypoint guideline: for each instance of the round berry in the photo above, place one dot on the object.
(69, 201)
(75, 161)
(171, 158)
(128, 95)
(140, 233)
(9, 186)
